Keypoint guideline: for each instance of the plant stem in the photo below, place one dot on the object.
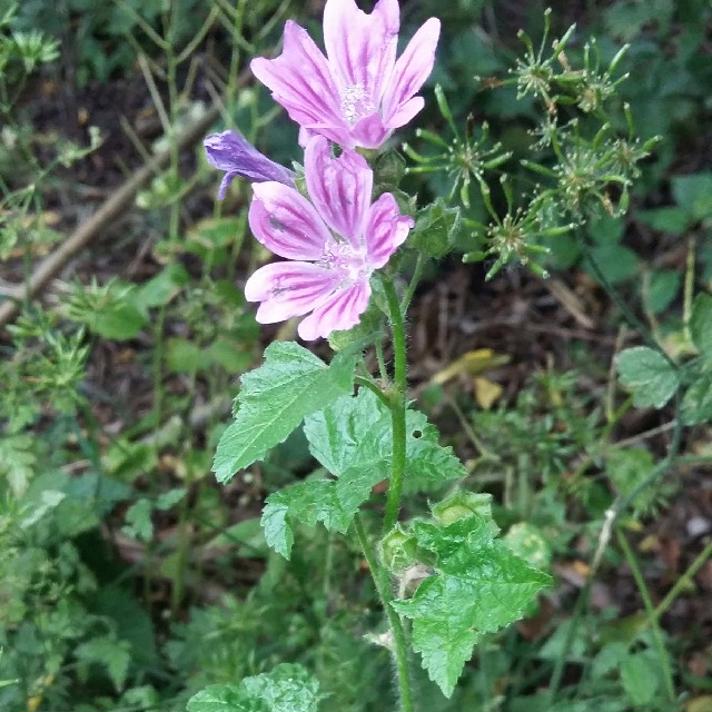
(398, 406)
(368, 383)
(413, 284)
(627, 312)
(650, 613)
(683, 581)
(383, 588)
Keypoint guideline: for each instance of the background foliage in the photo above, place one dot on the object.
(129, 580)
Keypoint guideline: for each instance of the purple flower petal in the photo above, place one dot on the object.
(362, 52)
(386, 230)
(300, 81)
(231, 152)
(340, 188)
(286, 223)
(361, 93)
(412, 69)
(288, 289)
(370, 132)
(406, 112)
(339, 312)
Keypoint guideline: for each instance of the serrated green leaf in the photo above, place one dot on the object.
(701, 325)
(138, 520)
(648, 374)
(114, 655)
(352, 439)
(118, 322)
(428, 463)
(222, 698)
(17, 461)
(697, 401)
(437, 228)
(287, 688)
(306, 502)
(627, 469)
(479, 586)
(291, 384)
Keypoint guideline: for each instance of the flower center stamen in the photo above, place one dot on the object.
(356, 103)
(349, 263)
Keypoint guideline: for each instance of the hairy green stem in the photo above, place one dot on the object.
(383, 588)
(650, 613)
(398, 405)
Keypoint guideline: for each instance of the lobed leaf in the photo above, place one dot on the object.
(352, 439)
(478, 587)
(287, 688)
(652, 379)
(306, 502)
(291, 384)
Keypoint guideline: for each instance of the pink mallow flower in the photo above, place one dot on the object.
(359, 94)
(334, 241)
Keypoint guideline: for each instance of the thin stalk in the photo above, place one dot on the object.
(627, 312)
(173, 105)
(683, 581)
(650, 613)
(368, 383)
(236, 32)
(380, 357)
(183, 548)
(413, 284)
(398, 406)
(157, 373)
(383, 588)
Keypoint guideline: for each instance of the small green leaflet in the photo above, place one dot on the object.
(478, 587)
(352, 439)
(697, 403)
(640, 678)
(701, 326)
(273, 401)
(287, 688)
(113, 654)
(647, 373)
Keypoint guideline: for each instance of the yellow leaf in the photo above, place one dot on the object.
(700, 704)
(472, 363)
(487, 392)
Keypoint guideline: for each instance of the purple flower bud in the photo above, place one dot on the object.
(231, 152)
